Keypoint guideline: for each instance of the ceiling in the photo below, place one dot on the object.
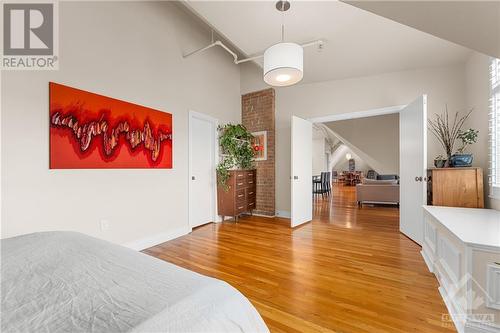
(474, 24)
(358, 43)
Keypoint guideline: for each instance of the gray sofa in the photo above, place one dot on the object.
(378, 191)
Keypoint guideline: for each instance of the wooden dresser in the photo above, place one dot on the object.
(455, 187)
(240, 196)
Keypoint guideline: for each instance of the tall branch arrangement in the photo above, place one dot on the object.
(447, 133)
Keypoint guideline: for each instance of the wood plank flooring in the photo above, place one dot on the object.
(349, 270)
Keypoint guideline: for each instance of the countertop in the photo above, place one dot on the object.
(474, 226)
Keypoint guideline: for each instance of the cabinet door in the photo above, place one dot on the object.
(455, 188)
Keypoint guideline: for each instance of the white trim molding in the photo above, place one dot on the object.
(144, 243)
(493, 286)
(358, 114)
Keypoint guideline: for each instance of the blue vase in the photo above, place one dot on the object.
(461, 160)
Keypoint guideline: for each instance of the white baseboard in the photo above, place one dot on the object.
(283, 213)
(262, 215)
(144, 243)
(427, 261)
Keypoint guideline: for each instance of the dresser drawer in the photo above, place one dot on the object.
(240, 195)
(250, 174)
(241, 184)
(251, 197)
(251, 182)
(241, 207)
(239, 175)
(251, 205)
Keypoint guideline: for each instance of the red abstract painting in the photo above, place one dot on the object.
(90, 131)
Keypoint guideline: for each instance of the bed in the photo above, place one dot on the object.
(69, 282)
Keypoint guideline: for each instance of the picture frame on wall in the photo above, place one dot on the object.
(259, 144)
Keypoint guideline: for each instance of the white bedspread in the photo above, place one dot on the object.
(69, 282)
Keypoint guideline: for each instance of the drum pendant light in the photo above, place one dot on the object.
(283, 62)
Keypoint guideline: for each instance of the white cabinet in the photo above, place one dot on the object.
(462, 248)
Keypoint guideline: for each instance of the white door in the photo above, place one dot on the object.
(301, 177)
(202, 143)
(413, 166)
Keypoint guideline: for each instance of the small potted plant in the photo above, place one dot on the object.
(440, 161)
(460, 158)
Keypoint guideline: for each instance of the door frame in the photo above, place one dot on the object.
(214, 141)
(363, 114)
(358, 114)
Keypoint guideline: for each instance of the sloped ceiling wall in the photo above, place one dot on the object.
(473, 24)
(373, 139)
(339, 162)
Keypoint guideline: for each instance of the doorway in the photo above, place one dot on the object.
(202, 169)
(412, 163)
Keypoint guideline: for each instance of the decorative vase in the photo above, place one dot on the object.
(461, 160)
(439, 163)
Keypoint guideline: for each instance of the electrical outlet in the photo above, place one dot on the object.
(104, 225)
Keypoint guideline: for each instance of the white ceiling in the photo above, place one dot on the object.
(474, 24)
(359, 43)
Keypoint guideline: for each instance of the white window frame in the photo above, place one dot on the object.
(494, 129)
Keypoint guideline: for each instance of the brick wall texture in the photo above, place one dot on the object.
(257, 114)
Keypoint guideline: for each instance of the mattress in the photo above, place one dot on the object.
(69, 282)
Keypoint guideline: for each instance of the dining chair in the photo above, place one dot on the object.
(316, 182)
(328, 182)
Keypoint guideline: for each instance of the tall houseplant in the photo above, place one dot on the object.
(447, 132)
(236, 150)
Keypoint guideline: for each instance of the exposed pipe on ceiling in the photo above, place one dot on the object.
(319, 42)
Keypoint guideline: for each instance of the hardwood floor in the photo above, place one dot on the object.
(349, 270)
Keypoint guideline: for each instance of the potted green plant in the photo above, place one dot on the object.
(440, 161)
(236, 151)
(460, 158)
(447, 132)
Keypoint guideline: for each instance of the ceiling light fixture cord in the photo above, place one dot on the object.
(282, 21)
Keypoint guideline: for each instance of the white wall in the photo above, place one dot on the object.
(319, 163)
(443, 85)
(377, 137)
(477, 96)
(131, 51)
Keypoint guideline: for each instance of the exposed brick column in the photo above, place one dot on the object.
(257, 114)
